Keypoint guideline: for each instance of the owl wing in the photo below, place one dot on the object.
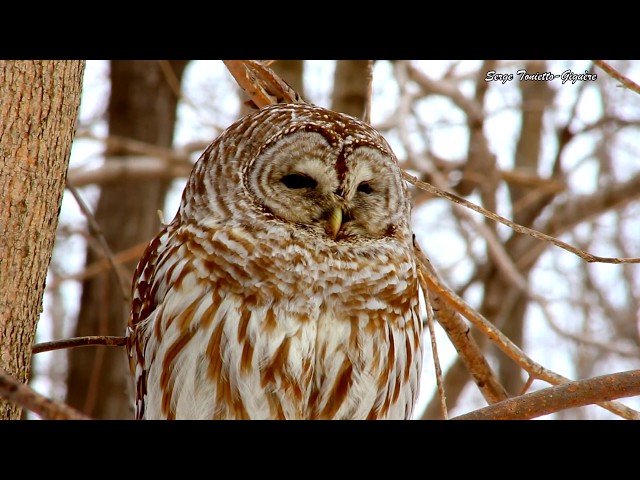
(143, 311)
(165, 293)
(188, 332)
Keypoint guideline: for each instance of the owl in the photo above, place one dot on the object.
(286, 286)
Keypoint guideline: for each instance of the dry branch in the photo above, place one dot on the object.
(103, 265)
(171, 78)
(613, 73)
(470, 107)
(97, 231)
(434, 352)
(117, 145)
(578, 209)
(261, 84)
(367, 108)
(458, 332)
(554, 399)
(141, 168)
(109, 341)
(27, 398)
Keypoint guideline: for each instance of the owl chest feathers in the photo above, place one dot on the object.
(260, 332)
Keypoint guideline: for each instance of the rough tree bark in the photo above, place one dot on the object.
(38, 108)
(142, 107)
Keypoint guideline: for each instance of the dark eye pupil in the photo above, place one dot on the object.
(297, 180)
(365, 187)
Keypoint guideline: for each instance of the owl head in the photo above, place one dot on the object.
(306, 168)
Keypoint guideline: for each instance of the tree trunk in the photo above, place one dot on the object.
(350, 87)
(39, 103)
(142, 107)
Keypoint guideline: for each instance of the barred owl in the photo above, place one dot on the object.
(285, 287)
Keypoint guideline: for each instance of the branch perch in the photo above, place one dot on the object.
(615, 74)
(554, 399)
(109, 341)
(27, 398)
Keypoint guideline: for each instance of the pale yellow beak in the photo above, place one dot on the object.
(335, 222)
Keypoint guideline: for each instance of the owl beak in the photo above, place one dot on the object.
(335, 222)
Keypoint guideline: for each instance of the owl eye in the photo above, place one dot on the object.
(297, 180)
(365, 187)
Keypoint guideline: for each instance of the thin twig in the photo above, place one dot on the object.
(554, 399)
(122, 168)
(576, 209)
(117, 145)
(434, 352)
(367, 105)
(514, 226)
(448, 89)
(527, 385)
(171, 78)
(507, 266)
(458, 332)
(582, 339)
(102, 265)
(97, 231)
(106, 340)
(613, 73)
(27, 398)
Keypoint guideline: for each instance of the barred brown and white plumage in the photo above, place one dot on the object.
(285, 287)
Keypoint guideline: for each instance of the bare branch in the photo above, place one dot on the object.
(613, 73)
(553, 399)
(136, 159)
(470, 107)
(583, 339)
(102, 265)
(128, 167)
(260, 83)
(109, 341)
(27, 398)
(527, 385)
(95, 228)
(434, 351)
(458, 332)
(171, 78)
(518, 228)
(481, 161)
(367, 106)
(523, 178)
(118, 145)
(577, 209)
